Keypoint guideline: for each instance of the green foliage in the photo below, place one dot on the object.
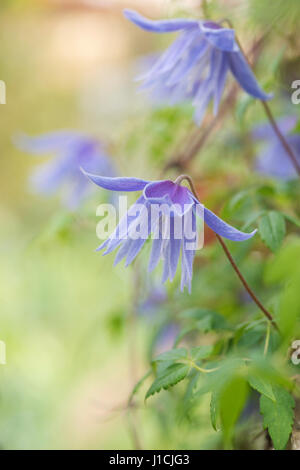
(272, 229)
(168, 378)
(281, 15)
(284, 268)
(232, 401)
(214, 409)
(262, 386)
(278, 416)
(65, 309)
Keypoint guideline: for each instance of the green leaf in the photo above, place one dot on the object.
(204, 319)
(289, 312)
(285, 263)
(200, 352)
(188, 399)
(291, 218)
(278, 416)
(139, 384)
(182, 333)
(170, 377)
(262, 386)
(172, 355)
(232, 401)
(271, 228)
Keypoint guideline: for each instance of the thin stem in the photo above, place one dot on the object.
(245, 284)
(132, 350)
(274, 125)
(267, 339)
(231, 260)
(196, 140)
(204, 371)
(280, 136)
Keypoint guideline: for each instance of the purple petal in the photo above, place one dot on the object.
(121, 231)
(264, 131)
(78, 193)
(160, 26)
(167, 192)
(47, 178)
(117, 184)
(168, 59)
(50, 142)
(187, 268)
(187, 63)
(274, 161)
(166, 270)
(222, 74)
(155, 253)
(243, 74)
(132, 247)
(223, 229)
(221, 38)
(175, 246)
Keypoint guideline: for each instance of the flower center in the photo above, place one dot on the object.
(212, 25)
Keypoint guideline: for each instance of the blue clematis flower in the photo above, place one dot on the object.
(180, 220)
(195, 66)
(72, 150)
(273, 159)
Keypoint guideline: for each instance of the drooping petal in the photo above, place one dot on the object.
(274, 161)
(117, 184)
(206, 88)
(242, 72)
(166, 258)
(132, 246)
(168, 59)
(221, 79)
(159, 26)
(49, 176)
(223, 229)
(186, 269)
(77, 193)
(187, 63)
(175, 246)
(156, 252)
(122, 229)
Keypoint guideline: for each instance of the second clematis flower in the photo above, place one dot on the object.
(273, 160)
(195, 66)
(71, 150)
(173, 225)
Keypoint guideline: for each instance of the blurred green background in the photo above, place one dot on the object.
(61, 308)
(65, 312)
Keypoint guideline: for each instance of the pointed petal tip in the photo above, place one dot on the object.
(269, 96)
(251, 234)
(85, 173)
(128, 13)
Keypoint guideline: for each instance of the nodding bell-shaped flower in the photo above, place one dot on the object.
(71, 151)
(273, 159)
(176, 208)
(196, 64)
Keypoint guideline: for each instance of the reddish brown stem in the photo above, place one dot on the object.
(245, 284)
(273, 123)
(282, 139)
